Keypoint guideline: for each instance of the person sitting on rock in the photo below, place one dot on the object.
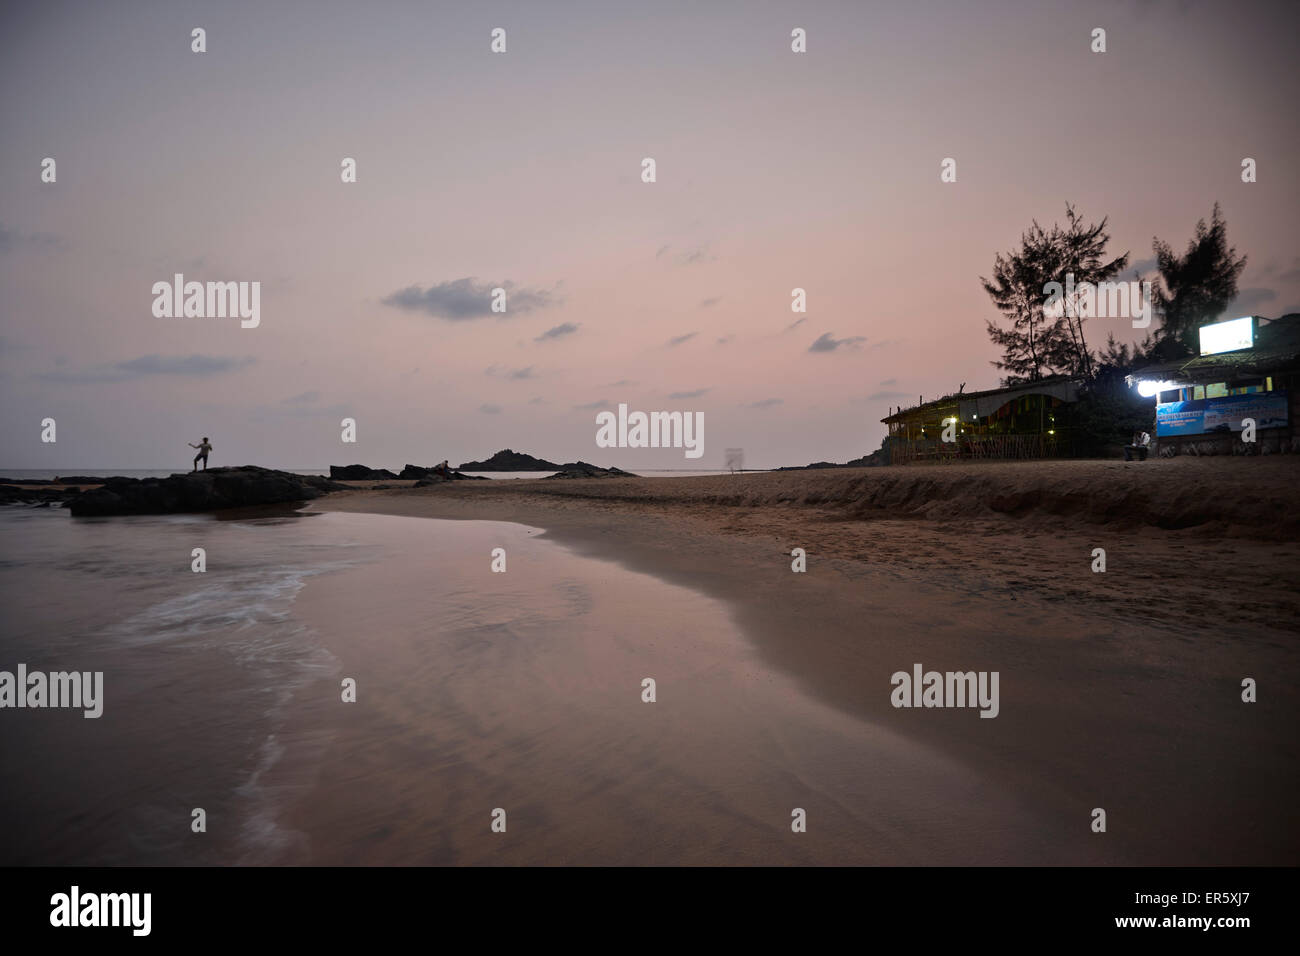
(204, 447)
(443, 470)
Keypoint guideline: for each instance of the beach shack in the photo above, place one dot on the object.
(1029, 420)
(1247, 371)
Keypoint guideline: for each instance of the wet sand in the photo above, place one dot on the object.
(1118, 690)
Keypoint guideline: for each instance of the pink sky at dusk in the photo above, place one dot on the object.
(775, 170)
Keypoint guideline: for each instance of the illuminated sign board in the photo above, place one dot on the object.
(1207, 416)
(1227, 336)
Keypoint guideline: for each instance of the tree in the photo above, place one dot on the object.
(1031, 346)
(1082, 253)
(1196, 287)
(1046, 334)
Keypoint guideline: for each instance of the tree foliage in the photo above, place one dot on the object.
(1196, 287)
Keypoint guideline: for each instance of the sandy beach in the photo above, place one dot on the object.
(1120, 689)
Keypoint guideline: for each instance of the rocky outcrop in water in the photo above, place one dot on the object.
(507, 460)
(209, 490)
(360, 473)
(43, 496)
(435, 479)
(582, 469)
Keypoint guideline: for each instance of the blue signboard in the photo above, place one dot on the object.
(1224, 414)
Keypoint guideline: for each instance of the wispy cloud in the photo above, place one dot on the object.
(678, 340)
(515, 374)
(301, 398)
(461, 300)
(1292, 274)
(490, 409)
(11, 240)
(827, 343)
(557, 332)
(190, 366)
(590, 406)
(696, 393)
(689, 255)
(709, 303)
(767, 403)
(885, 396)
(1250, 301)
(795, 324)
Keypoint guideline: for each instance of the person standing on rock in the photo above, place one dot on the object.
(204, 447)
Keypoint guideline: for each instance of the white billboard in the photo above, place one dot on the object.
(1227, 336)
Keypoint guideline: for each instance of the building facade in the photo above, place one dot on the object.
(1243, 399)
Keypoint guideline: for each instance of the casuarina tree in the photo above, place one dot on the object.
(1196, 287)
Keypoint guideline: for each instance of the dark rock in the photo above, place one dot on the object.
(866, 461)
(414, 471)
(359, 473)
(10, 495)
(582, 469)
(507, 460)
(209, 490)
(437, 479)
(78, 480)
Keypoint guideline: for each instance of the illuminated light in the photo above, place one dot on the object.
(1146, 389)
(1227, 336)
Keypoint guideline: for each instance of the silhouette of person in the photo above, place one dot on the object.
(204, 447)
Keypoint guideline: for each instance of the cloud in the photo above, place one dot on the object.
(191, 366)
(884, 344)
(885, 396)
(678, 340)
(696, 393)
(706, 303)
(301, 398)
(183, 364)
(461, 300)
(725, 339)
(600, 403)
(1249, 301)
(11, 240)
(767, 403)
(828, 344)
(688, 256)
(1292, 274)
(621, 383)
(1143, 266)
(537, 400)
(516, 374)
(889, 381)
(695, 254)
(559, 331)
(795, 324)
(490, 409)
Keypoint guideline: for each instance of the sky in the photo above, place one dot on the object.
(522, 170)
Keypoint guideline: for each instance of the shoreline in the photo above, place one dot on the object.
(1101, 706)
